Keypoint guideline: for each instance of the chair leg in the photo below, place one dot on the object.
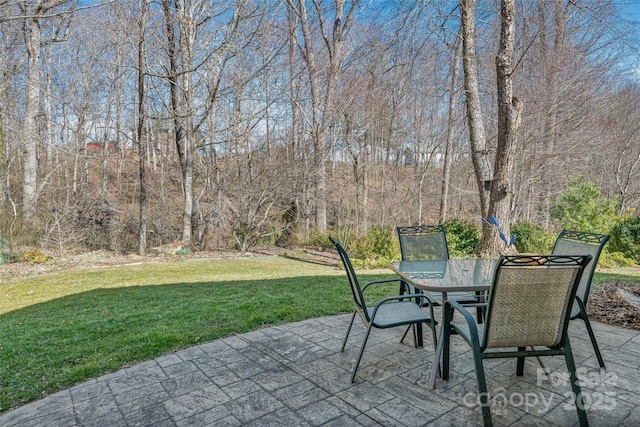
(445, 338)
(485, 404)
(520, 363)
(583, 315)
(405, 334)
(594, 342)
(364, 344)
(575, 385)
(348, 330)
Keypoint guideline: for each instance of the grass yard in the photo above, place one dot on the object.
(60, 329)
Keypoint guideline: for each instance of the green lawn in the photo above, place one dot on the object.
(60, 329)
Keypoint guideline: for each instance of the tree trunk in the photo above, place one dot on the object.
(323, 114)
(33, 42)
(477, 136)
(30, 126)
(142, 236)
(509, 115)
(187, 31)
(180, 49)
(453, 96)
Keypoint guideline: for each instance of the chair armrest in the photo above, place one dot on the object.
(376, 282)
(471, 322)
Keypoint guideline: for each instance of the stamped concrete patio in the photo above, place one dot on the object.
(295, 375)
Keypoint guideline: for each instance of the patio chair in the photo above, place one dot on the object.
(429, 243)
(571, 242)
(529, 305)
(386, 313)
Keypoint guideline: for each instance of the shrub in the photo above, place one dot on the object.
(462, 237)
(581, 207)
(376, 249)
(532, 238)
(35, 256)
(321, 240)
(625, 238)
(614, 259)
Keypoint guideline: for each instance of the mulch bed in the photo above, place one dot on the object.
(606, 306)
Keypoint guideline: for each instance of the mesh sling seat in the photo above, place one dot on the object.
(386, 313)
(427, 243)
(571, 242)
(529, 305)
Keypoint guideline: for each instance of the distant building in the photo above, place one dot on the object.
(99, 146)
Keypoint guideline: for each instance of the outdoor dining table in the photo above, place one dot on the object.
(444, 277)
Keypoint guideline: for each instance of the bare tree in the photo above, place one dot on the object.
(142, 232)
(333, 29)
(509, 117)
(453, 96)
(34, 13)
(477, 136)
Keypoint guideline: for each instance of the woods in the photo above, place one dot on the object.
(131, 124)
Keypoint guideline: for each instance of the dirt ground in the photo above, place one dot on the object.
(604, 304)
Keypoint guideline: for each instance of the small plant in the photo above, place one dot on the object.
(614, 259)
(532, 238)
(35, 256)
(462, 237)
(625, 238)
(183, 251)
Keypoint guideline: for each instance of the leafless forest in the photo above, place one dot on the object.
(136, 123)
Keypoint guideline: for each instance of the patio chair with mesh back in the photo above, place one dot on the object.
(386, 313)
(427, 243)
(529, 305)
(571, 242)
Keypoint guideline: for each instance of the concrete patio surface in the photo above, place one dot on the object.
(295, 375)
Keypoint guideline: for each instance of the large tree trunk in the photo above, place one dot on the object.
(183, 135)
(477, 136)
(30, 125)
(509, 115)
(142, 233)
(33, 42)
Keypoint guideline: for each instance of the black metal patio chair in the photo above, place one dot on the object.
(572, 242)
(529, 305)
(388, 312)
(429, 243)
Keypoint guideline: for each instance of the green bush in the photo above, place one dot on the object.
(625, 238)
(614, 259)
(376, 249)
(532, 238)
(35, 256)
(462, 238)
(321, 240)
(581, 207)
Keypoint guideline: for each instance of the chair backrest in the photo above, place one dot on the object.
(423, 242)
(353, 279)
(571, 242)
(529, 302)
